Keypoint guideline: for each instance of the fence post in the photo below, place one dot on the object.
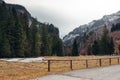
(86, 63)
(48, 65)
(100, 62)
(109, 61)
(118, 60)
(71, 64)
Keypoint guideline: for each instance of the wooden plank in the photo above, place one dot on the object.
(110, 61)
(118, 61)
(71, 65)
(86, 63)
(81, 59)
(48, 65)
(100, 62)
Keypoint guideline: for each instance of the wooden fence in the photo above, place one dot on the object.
(86, 61)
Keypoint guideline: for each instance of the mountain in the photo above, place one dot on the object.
(21, 35)
(88, 33)
(83, 30)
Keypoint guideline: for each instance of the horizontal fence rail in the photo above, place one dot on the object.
(86, 61)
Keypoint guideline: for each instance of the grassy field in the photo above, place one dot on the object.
(26, 71)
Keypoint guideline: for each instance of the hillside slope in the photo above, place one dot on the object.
(88, 33)
(92, 26)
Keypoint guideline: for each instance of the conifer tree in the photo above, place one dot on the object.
(95, 48)
(44, 39)
(111, 46)
(27, 34)
(35, 39)
(19, 40)
(104, 49)
(75, 49)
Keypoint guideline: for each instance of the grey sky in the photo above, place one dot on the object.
(68, 14)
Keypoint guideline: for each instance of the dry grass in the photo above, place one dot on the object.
(26, 71)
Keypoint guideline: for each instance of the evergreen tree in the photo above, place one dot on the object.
(104, 47)
(89, 50)
(18, 35)
(95, 48)
(11, 34)
(75, 49)
(45, 41)
(60, 48)
(35, 39)
(111, 46)
(4, 47)
(27, 34)
(19, 41)
(119, 49)
(115, 27)
(4, 41)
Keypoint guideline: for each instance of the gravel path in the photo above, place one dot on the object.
(103, 73)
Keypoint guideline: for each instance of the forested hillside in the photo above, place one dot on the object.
(23, 36)
(98, 37)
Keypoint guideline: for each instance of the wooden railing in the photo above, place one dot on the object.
(86, 61)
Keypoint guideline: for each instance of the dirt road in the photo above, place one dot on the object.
(103, 73)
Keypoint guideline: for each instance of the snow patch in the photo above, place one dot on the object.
(39, 59)
(29, 22)
(113, 18)
(91, 23)
(71, 36)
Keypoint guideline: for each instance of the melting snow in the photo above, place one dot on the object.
(39, 59)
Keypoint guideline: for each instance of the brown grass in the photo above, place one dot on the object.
(26, 71)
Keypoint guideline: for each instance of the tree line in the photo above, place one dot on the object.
(115, 27)
(104, 46)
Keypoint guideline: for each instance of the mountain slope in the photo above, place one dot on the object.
(85, 35)
(83, 30)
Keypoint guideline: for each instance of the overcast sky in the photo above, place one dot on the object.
(68, 14)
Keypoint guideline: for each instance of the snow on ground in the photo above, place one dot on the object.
(39, 59)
